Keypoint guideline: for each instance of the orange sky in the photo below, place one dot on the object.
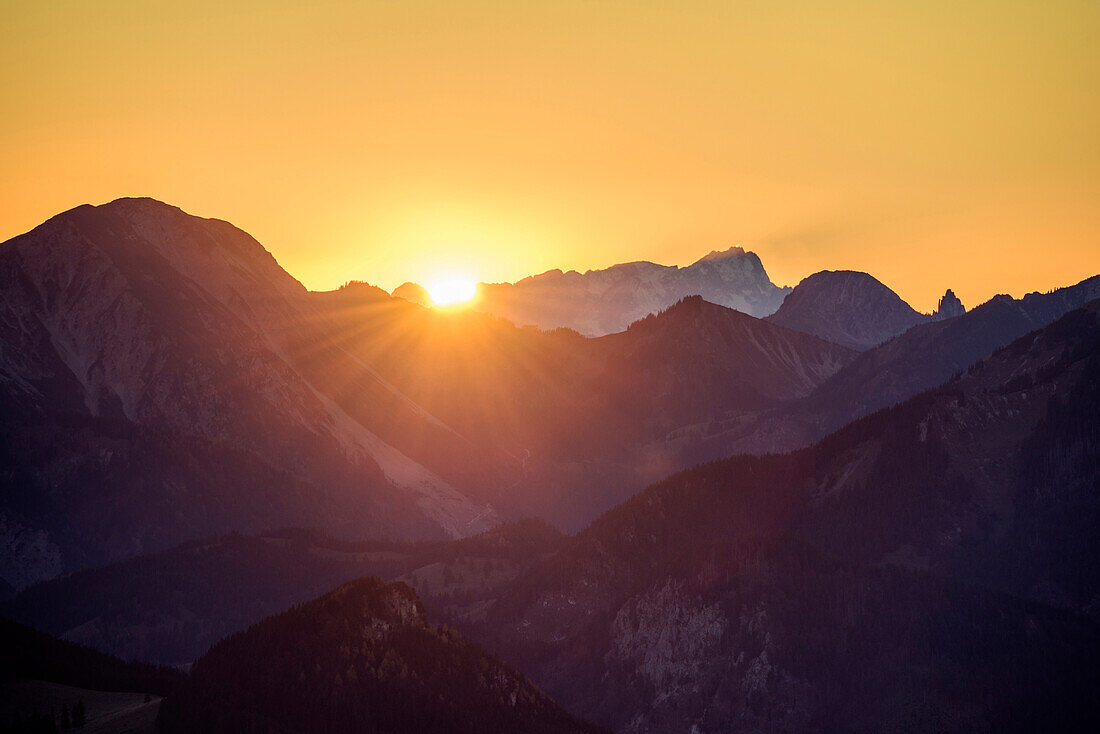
(933, 144)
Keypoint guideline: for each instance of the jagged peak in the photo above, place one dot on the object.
(949, 306)
(735, 251)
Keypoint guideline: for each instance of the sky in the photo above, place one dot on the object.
(933, 144)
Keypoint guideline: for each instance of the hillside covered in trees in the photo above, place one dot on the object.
(362, 658)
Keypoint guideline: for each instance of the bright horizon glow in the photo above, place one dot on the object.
(451, 290)
(931, 143)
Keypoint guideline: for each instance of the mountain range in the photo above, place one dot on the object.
(815, 510)
(929, 566)
(152, 359)
(600, 302)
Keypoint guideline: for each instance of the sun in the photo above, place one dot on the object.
(452, 290)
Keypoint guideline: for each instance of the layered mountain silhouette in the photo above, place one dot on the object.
(601, 302)
(924, 356)
(362, 658)
(948, 307)
(163, 376)
(585, 420)
(170, 607)
(930, 566)
(892, 527)
(152, 354)
(848, 308)
(165, 379)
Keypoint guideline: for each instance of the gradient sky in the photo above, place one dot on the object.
(932, 144)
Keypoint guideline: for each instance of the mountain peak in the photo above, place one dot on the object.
(948, 307)
(730, 252)
(848, 307)
(600, 302)
(391, 603)
(381, 667)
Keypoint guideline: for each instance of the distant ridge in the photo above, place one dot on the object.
(604, 301)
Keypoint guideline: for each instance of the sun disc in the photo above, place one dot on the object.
(452, 291)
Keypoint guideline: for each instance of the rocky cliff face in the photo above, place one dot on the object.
(605, 301)
(848, 308)
(949, 307)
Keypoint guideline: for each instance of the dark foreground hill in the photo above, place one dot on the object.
(170, 607)
(47, 684)
(362, 658)
(929, 567)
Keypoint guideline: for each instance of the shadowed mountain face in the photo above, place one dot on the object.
(362, 658)
(924, 356)
(928, 567)
(47, 684)
(606, 301)
(164, 378)
(30, 654)
(170, 607)
(848, 308)
(586, 421)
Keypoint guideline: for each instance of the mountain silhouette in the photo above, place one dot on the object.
(930, 565)
(846, 307)
(164, 377)
(361, 658)
(924, 356)
(601, 302)
(585, 422)
(170, 607)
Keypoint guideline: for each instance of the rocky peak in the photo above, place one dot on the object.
(949, 307)
(728, 253)
(390, 603)
(600, 302)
